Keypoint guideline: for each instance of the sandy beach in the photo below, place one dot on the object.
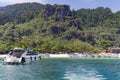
(2, 55)
(75, 55)
(80, 55)
(59, 55)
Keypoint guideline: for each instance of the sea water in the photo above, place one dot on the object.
(63, 69)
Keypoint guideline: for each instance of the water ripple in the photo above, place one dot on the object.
(63, 69)
(82, 73)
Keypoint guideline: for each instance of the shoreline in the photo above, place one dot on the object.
(94, 56)
(82, 56)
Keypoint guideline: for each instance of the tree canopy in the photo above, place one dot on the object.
(58, 28)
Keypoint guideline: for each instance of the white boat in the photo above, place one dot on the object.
(20, 55)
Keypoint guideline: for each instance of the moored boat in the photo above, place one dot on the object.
(20, 55)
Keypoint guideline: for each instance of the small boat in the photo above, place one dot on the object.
(20, 55)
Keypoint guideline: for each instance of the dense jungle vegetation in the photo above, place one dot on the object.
(57, 28)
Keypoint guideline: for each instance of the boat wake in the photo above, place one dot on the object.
(82, 73)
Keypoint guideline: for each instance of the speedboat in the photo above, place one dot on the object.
(20, 55)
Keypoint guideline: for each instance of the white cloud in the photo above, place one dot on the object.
(22, 1)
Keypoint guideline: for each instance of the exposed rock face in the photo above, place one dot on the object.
(58, 12)
(62, 10)
(47, 11)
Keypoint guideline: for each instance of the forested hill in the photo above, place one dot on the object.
(58, 28)
(19, 12)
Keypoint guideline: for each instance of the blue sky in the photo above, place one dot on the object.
(114, 5)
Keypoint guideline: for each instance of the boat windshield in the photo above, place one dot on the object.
(17, 53)
(29, 52)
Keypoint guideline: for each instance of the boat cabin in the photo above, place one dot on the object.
(16, 52)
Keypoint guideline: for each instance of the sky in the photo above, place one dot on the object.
(114, 5)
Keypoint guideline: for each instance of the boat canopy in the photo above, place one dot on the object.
(17, 52)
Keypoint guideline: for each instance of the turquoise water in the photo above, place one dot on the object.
(63, 69)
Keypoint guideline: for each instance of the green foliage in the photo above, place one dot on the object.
(19, 13)
(54, 28)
